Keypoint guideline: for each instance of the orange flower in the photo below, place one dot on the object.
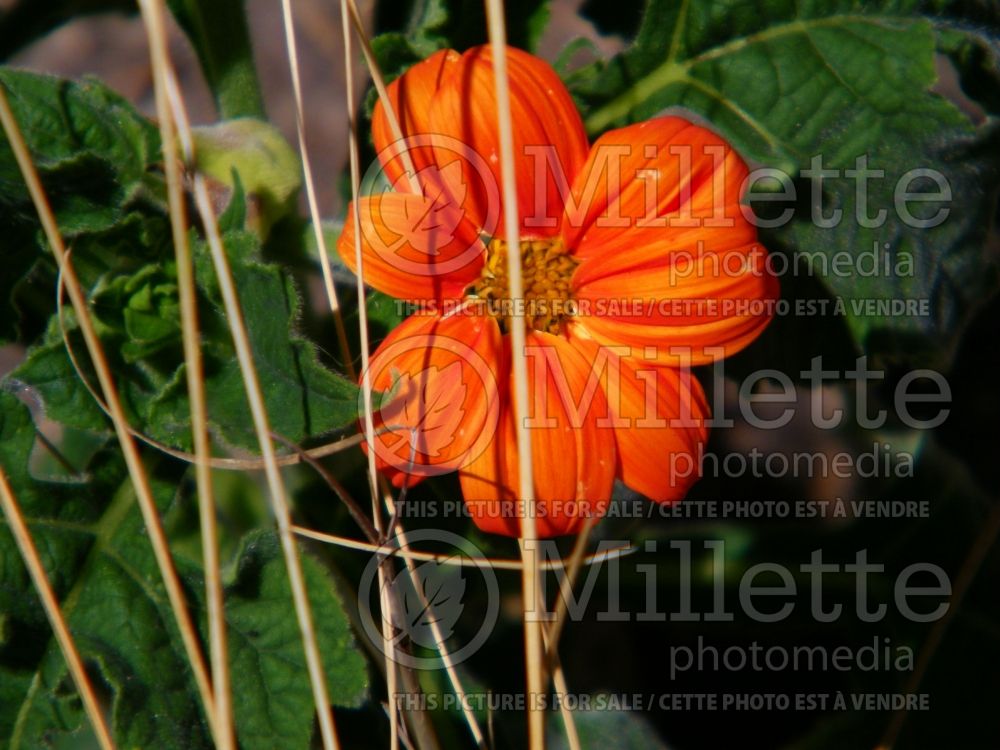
(638, 262)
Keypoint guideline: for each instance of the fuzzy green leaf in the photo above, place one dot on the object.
(102, 567)
(94, 153)
(272, 696)
(134, 305)
(785, 82)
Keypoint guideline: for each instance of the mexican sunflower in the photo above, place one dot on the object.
(637, 263)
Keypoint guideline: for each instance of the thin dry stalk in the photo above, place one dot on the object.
(137, 472)
(153, 13)
(499, 563)
(388, 644)
(258, 409)
(446, 658)
(33, 563)
(562, 690)
(534, 653)
(314, 213)
(383, 94)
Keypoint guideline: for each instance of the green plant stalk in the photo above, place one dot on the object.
(219, 32)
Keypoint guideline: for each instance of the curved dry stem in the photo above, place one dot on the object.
(214, 462)
(338, 489)
(497, 563)
(60, 629)
(136, 469)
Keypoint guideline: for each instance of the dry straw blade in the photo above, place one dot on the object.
(258, 410)
(330, 287)
(153, 14)
(385, 602)
(531, 585)
(29, 553)
(136, 469)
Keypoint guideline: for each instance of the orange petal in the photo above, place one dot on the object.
(573, 454)
(687, 313)
(645, 183)
(447, 114)
(660, 422)
(424, 159)
(413, 247)
(667, 257)
(411, 96)
(440, 402)
(550, 143)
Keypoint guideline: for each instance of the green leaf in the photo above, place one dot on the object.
(48, 370)
(86, 142)
(95, 549)
(64, 511)
(272, 697)
(134, 306)
(94, 153)
(143, 308)
(304, 398)
(785, 82)
(384, 312)
(219, 32)
(237, 211)
(102, 568)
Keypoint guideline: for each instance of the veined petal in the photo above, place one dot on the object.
(429, 160)
(411, 96)
(573, 454)
(667, 257)
(659, 418)
(450, 99)
(693, 312)
(413, 247)
(645, 183)
(439, 400)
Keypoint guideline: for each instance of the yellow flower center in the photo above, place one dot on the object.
(547, 269)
